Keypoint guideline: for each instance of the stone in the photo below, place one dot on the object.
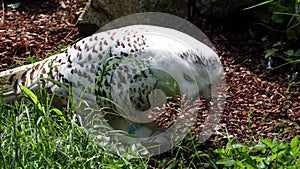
(97, 13)
(221, 8)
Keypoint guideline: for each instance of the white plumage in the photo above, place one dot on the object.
(123, 65)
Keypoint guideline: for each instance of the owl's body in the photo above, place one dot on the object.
(123, 63)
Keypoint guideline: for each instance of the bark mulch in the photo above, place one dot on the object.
(257, 104)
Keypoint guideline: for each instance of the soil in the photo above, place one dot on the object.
(258, 102)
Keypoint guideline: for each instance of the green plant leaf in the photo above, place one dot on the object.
(297, 53)
(279, 43)
(277, 7)
(277, 18)
(270, 52)
(259, 147)
(257, 158)
(290, 34)
(230, 142)
(295, 145)
(236, 146)
(289, 52)
(15, 5)
(267, 142)
(289, 59)
(261, 165)
(278, 156)
(257, 5)
(226, 162)
(60, 114)
(32, 96)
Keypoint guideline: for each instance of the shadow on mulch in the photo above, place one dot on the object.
(245, 39)
(35, 6)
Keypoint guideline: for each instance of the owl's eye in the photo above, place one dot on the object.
(188, 78)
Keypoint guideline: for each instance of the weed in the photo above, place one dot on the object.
(269, 153)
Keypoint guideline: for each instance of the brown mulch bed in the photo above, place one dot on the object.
(36, 29)
(257, 105)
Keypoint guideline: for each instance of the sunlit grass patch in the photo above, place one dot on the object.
(35, 135)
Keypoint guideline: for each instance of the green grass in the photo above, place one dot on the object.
(270, 153)
(35, 135)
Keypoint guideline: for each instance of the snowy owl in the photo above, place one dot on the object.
(125, 65)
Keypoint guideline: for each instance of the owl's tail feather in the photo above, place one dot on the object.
(32, 76)
(9, 81)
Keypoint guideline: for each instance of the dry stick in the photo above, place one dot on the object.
(2, 21)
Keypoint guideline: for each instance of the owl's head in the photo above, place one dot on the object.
(207, 70)
(192, 73)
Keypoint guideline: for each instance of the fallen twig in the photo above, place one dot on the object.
(2, 20)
